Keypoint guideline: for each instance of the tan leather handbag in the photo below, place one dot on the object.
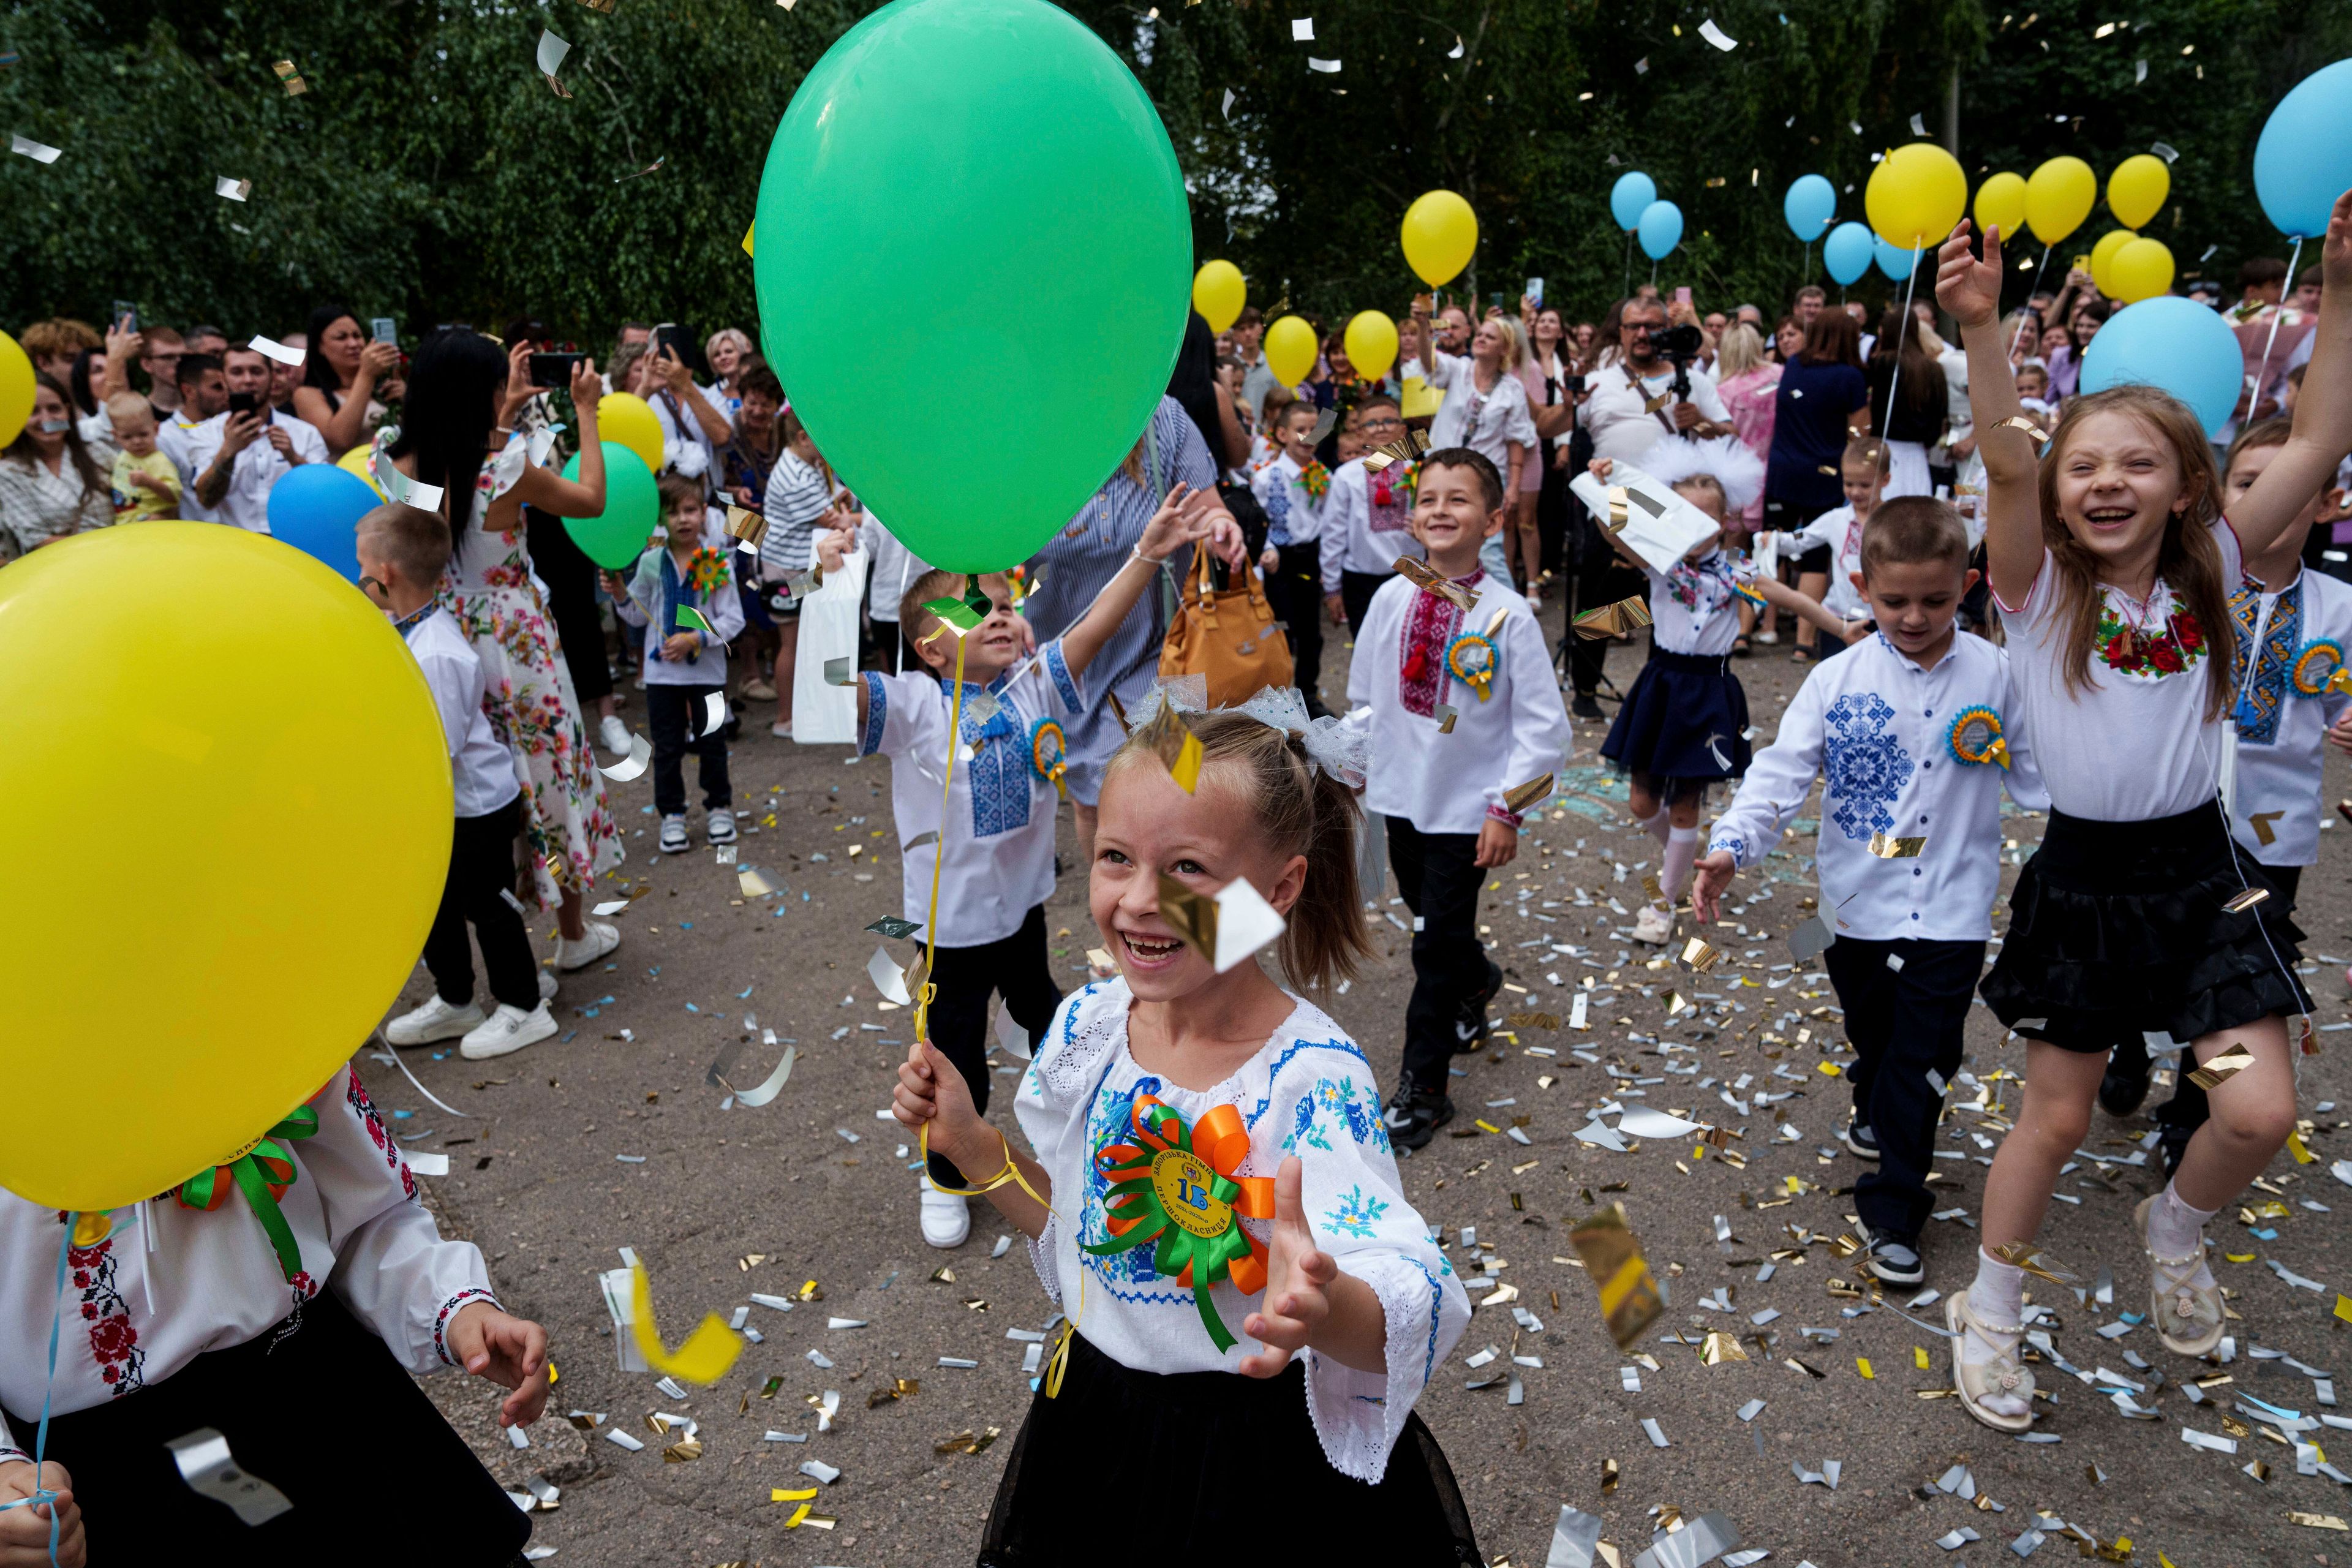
(1230, 638)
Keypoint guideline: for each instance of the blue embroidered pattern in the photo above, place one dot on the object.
(999, 774)
(1339, 1103)
(1348, 1046)
(878, 713)
(1278, 512)
(2260, 699)
(1355, 1213)
(1436, 1302)
(1864, 766)
(1066, 685)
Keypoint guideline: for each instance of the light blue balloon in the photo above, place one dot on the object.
(1895, 260)
(1630, 197)
(316, 508)
(2304, 160)
(1810, 205)
(2174, 343)
(1660, 229)
(1847, 255)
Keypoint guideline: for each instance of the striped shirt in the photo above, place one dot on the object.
(797, 496)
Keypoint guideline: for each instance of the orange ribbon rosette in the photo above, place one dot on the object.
(1174, 1189)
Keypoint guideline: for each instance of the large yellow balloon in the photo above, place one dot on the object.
(355, 462)
(629, 420)
(2058, 198)
(1291, 350)
(2000, 203)
(1441, 234)
(2136, 191)
(2103, 258)
(1218, 294)
(16, 389)
(1371, 344)
(1915, 194)
(2140, 270)
(287, 853)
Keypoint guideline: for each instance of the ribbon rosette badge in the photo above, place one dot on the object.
(1974, 738)
(1048, 753)
(262, 1170)
(1472, 658)
(1174, 1189)
(2319, 669)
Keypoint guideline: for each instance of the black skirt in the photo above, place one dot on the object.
(1684, 721)
(2119, 929)
(1210, 1466)
(321, 1412)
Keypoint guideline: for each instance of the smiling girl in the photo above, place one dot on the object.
(2112, 564)
(1210, 1152)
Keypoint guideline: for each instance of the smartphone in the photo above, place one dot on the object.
(126, 315)
(1682, 296)
(552, 369)
(244, 403)
(682, 342)
(384, 329)
(2082, 264)
(1496, 300)
(1535, 292)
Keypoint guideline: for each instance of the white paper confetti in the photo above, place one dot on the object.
(283, 355)
(1328, 67)
(1716, 36)
(234, 190)
(1302, 30)
(38, 152)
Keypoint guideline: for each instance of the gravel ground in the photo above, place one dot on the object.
(609, 1137)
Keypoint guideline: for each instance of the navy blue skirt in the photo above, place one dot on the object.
(1685, 720)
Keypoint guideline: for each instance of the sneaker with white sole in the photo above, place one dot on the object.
(1893, 1258)
(547, 985)
(506, 1030)
(721, 826)
(781, 730)
(613, 733)
(947, 1218)
(1651, 925)
(674, 840)
(596, 940)
(1862, 1140)
(758, 690)
(437, 1020)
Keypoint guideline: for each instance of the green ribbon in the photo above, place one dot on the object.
(203, 1190)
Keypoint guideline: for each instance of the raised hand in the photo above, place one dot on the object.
(931, 1091)
(1186, 516)
(1298, 1276)
(1966, 285)
(2336, 253)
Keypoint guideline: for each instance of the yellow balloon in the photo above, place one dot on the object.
(1371, 343)
(2136, 191)
(1290, 350)
(1441, 234)
(264, 948)
(355, 462)
(16, 389)
(2103, 258)
(2058, 198)
(1218, 294)
(1915, 194)
(629, 420)
(2140, 270)
(2000, 203)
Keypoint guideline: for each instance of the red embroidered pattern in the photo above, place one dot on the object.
(1430, 622)
(356, 1096)
(449, 1309)
(113, 1343)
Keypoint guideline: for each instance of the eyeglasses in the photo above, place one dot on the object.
(1389, 424)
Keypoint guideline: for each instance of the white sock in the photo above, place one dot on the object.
(1998, 1298)
(2174, 1229)
(1656, 825)
(1682, 849)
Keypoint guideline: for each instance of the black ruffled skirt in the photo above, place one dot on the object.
(2119, 929)
(1683, 725)
(1210, 1466)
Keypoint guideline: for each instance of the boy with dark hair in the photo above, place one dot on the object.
(1367, 516)
(1906, 731)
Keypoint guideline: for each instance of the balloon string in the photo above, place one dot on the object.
(41, 1493)
(2254, 392)
(1902, 328)
(2020, 334)
(939, 855)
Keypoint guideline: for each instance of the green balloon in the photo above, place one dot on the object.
(973, 200)
(616, 537)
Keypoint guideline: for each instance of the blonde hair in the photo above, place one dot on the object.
(412, 539)
(1514, 342)
(128, 405)
(1737, 352)
(1297, 809)
(1866, 452)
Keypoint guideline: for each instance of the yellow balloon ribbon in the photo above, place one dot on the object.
(705, 1355)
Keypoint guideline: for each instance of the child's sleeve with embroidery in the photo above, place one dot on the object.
(1051, 1108)
(1065, 690)
(904, 717)
(392, 1268)
(1358, 1214)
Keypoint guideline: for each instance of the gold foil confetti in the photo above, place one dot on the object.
(1699, 956)
(1192, 916)
(1608, 1477)
(1721, 1347)
(1887, 848)
(1179, 750)
(2317, 1521)
(1611, 620)
(1429, 580)
(1518, 797)
(2261, 822)
(2228, 1064)
(896, 1388)
(1444, 717)
(2034, 1261)
(1611, 1254)
(295, 85)
(2246, 900)
(1403, 449)
(748, 526)
(2019, 422)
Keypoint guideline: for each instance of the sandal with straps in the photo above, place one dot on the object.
(2187, 1316)
(2004, 1374)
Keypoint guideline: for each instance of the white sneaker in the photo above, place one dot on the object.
(508, 1029)
(547, 985)
(1768, 639)
(672, 835)
(781, 730)
(721, 826)
(947, 1218)
(614, 734)
(1651, 925)
(598, 939)
(437, 1020)
(758, 690)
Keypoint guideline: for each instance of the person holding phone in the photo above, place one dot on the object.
(238, 455)
(346, 380)
(694, 429)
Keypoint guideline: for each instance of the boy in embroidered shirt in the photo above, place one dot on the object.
(682, 594)
(998, 834)
(1863, 470)
(1905, 731)
(1290, 489)
(1367, 517)
(1441, 781)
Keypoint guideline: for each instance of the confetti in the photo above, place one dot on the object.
(1519, 797)
(275, 350)
(236, 191)
(704, 1356)
(1429, 580)
(1611, 1254)
(1887, 848)
(1716, 36)
(2227, 1065)
(1612, 620)
(641, 756)
(1328, 67)
(38, 152)
(295, 85)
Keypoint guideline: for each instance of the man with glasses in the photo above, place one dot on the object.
(1365, 514)
(159, 355)
(1633, 403)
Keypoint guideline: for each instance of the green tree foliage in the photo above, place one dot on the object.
(431, 174)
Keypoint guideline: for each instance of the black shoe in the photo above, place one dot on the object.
(1893, 1258)
(1414, 1115)
(1470, 1029)
(1585, 707)
(2121, 1092)
(1862, 1140)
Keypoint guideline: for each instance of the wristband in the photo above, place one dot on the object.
(1137, 555)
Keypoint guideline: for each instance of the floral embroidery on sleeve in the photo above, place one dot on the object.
(1355, 1213)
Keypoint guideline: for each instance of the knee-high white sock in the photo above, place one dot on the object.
(1657, 825)
(1682, 849)
(1996, 1299)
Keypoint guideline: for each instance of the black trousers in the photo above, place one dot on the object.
(481, 868)
(674, 713)
(1438, 875)
(1356, 591)
(1295, 589)
(966, 977)
(571, 579)
(1905, 1024)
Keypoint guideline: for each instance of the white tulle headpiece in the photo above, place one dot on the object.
(1340, 749)
(1724, 459)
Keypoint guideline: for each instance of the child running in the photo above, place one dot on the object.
(1253, 1119)
(1907, 733)
(2113, 564)
(998, 834)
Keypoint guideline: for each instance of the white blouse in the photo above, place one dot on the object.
(168, 1283)
(1308, 1092)
(1695, 608)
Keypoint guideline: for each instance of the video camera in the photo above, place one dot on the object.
(1681, 346)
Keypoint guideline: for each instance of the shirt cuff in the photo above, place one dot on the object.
(1503, 814)
(1732, 842)
(448, 1310)
(878, 713)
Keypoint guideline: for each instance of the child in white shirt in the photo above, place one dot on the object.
(993, 852)
(1291, 490)
(1366, 522)
(1864, 470)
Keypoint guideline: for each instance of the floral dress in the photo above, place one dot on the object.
(527, 691)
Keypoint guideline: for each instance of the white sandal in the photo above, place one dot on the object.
(2004, 1374)
(2186, 1315)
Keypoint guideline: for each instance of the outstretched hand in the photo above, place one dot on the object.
(1297, 1278)
(1714, 874)
(510, 1351)
(1967, 285)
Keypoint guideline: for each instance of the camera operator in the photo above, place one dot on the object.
(1653, 389)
